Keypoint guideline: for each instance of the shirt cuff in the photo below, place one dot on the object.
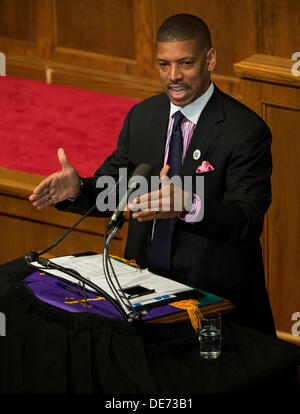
(193, 215)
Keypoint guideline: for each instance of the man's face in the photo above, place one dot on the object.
(184, 70)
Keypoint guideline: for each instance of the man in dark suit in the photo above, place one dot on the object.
(220, 253)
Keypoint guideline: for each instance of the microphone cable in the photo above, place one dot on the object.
(66, 233)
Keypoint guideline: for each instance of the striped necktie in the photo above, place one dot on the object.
(160, 251)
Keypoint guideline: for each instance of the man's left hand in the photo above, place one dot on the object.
(168, 202)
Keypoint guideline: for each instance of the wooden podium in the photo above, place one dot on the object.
(270, 88)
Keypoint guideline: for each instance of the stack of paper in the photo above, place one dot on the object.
(91, 268)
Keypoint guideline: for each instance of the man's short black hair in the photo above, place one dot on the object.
(184, 27)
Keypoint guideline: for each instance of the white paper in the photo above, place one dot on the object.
(91, 268)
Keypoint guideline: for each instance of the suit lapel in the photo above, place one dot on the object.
(159, 135)
(205, 132)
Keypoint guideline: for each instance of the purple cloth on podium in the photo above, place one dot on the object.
(45, 288)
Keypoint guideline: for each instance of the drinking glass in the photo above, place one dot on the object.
(210, 335)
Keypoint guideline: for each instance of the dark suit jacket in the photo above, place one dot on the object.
(221, 254)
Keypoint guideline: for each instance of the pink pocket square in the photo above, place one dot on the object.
(204, 167)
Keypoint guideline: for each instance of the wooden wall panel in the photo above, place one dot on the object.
(95, 26)
(118, 36)
(284, 214)
(18, 20)
(278, 23)
(125, 48)
(31, 22)
(270, 89)
(232, 26)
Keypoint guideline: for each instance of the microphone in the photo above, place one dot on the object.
(143, 170)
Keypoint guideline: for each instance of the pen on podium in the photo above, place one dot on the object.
(62, 285)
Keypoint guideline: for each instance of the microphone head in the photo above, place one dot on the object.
(142, 170)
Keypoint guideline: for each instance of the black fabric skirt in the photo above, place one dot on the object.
(49, 350)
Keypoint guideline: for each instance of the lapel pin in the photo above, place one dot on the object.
(196, 154)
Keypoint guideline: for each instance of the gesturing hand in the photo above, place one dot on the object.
(169, 201)
(58, 186)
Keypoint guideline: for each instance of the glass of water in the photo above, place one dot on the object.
(210, 335)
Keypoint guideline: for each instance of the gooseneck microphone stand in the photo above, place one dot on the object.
(113, 282)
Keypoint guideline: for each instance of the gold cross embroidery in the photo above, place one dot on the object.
(71, 301)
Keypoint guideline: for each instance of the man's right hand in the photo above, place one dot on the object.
(59, 186)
